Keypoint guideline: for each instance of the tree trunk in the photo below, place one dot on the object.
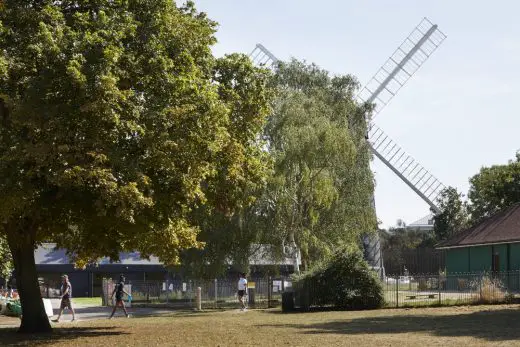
(34, 318)
(294, 253)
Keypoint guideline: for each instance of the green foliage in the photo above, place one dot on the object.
(454, 214)
(119, 121)
(115, 123)
(319, 194)
(6, 260)
(494, 189)
(230, 227)
(344, 281)
(319, 187)
(491, 190)
(228, 242)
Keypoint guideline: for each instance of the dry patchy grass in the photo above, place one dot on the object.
(476, 325)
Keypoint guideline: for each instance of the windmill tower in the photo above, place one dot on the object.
(424, 39)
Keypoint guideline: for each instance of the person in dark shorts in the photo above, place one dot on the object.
(119, 291)
(66, 296)
(242, 290)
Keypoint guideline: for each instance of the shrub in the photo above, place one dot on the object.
(491, 291)
(344, 281)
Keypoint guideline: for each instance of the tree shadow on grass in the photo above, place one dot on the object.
(10, 336)
(176, 314)
(492, 325)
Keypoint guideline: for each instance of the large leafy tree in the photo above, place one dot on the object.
(494, 188)
(319, 194)
(115, 122)
(233, 225)
(453, 217)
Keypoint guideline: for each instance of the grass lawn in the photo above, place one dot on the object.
(87, 301)
(447, 326)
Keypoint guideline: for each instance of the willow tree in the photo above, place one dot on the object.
(319, 195)
(6, 260)
(115, 121)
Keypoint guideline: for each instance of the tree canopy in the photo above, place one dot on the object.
(494, 188)
(319, 194)
(319, 188)
(454, 214)
(115, 122)
(491, 190)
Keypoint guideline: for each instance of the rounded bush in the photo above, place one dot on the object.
(345, 281)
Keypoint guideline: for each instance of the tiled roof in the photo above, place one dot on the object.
(424, 221)
(47, 254)
(503, 227)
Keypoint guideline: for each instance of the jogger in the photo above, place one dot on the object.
(119, 290)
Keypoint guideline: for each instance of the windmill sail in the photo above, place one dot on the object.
(402, 64)
(420, 180)
(385, 84)
(262, 56)
(389, 79)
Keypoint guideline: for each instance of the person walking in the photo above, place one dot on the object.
(242, 291)
(66, 296)
(119, 290)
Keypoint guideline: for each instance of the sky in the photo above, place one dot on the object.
(455, 115)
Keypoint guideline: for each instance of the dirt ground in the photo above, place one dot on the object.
(447, 326)
(8, 321)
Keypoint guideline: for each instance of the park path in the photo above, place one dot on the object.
(91, 312)
(88, 312)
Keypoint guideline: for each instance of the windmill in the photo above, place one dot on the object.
(420, 44)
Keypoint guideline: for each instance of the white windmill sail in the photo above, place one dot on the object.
(262, 56)
(402, 64)
(385, 84)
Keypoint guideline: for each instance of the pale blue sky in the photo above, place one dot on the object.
(455, 115)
